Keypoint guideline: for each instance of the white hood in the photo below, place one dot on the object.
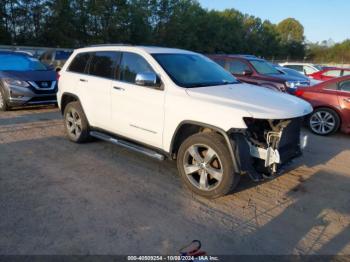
(259, 102)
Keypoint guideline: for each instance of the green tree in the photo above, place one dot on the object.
(291, 30)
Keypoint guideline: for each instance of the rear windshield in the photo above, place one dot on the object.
(10, 62)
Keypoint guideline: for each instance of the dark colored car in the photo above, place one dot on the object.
(24, 80)
(292, 72)
(256, 71)
(330, 73)
(331, 102)
(55, 58)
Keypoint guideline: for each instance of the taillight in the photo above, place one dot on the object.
(299, 92)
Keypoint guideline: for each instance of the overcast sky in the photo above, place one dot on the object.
(322, 19)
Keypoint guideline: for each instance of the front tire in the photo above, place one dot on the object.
(205, 165)
(324, 122)
(76, 124)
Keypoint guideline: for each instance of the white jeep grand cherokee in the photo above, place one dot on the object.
(176, 104)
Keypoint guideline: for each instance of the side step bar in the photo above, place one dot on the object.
(131, 146)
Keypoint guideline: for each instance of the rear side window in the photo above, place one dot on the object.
(79, 63)
(102, 64)
(237, 67)
(345, 86)
(346, 73)
(131, 65)
(333, 73)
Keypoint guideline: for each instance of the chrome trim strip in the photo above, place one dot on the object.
(143, 129)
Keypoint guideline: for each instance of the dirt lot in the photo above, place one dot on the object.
(57, 197)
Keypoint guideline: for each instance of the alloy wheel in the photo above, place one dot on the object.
(322, 122)
(73, 123)
(203, 167)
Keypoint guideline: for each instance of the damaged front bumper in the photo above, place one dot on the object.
(266, 145)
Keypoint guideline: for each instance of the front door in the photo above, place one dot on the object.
(137, 111)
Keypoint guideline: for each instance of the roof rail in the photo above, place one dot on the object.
(119, 44)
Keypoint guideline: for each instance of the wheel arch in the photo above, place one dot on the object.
(188, 127)
(66, 99)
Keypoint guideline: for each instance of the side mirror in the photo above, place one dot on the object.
(147, 79)
(247, 72)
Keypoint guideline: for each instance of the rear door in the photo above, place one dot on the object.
(344, 99)
(75, 75)
(137, 111)
(96, 88)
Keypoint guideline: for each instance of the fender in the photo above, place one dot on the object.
(217, 129)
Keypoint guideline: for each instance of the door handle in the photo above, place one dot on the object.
(82, 80)
(347, 100)
(118, 88)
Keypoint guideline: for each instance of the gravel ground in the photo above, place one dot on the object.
(57, 197)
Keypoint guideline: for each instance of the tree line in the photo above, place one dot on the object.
(174, 23)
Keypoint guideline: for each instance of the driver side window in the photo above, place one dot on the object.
(237, 67)
(332, 73)
(131, 65)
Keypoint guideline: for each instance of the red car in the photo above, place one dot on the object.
(331, 102)
(330, 73)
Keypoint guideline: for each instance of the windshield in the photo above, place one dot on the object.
(192, 70)
(10, 62)
(263, 67)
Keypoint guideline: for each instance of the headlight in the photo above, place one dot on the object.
(295, 84)
(291, 84)
(15, 82)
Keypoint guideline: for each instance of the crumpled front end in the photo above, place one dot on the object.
(267, 144)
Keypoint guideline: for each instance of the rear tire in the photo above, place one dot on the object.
(76, 124)
(324, 122)
(3, 101)
(205, 165)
